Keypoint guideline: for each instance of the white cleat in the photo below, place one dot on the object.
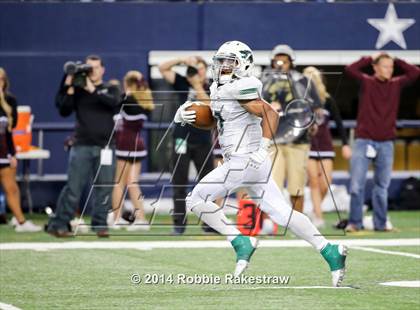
(338, 275)
(241, 266)
(335, 255)
(244, 247)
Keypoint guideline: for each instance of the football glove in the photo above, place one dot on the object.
(258, 157)
(183, 116)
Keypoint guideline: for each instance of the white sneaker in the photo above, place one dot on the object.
(138, 225)
(121, 223)
(13, 222)
(110, 219)
(28, 226)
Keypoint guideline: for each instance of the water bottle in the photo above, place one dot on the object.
(2, 203)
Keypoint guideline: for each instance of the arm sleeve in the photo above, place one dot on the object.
(181, 83)
(411, 72)
(335, 113)
(354, 70)
(109, 98)
(64, 102)
(132, 107)
(247, 89)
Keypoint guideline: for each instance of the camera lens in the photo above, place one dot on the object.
(70, 67)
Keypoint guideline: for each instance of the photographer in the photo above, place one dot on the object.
(282, 85)
(95, 104)
(190, 143)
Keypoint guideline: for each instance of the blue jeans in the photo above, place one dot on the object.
(84, 163)
(382, 165)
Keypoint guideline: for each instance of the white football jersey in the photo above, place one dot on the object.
(240, 132)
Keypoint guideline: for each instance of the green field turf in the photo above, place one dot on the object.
(101, 279)
(406, 223)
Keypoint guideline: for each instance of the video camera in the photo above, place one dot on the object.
(79, 71)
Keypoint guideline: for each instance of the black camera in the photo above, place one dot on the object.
(191, 71)
(79, 71)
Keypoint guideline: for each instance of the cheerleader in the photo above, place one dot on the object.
(321, 155)
(137, 103)
(8, 161)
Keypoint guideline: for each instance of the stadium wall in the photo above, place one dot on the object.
(37, 38)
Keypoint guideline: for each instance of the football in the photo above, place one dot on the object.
(204, 117)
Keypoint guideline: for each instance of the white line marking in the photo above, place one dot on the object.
(415, 283)
(8, 307)
(386, 252)
(147, 245)
(287, 287)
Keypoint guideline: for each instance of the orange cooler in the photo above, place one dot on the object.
(22, 133)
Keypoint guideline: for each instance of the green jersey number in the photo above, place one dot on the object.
(219, 119)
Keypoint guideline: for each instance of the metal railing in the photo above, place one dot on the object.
(42, 127)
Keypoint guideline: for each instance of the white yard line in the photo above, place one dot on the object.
(386, 252)
(415, 283)
(4, 306)
(148, 245)
(286, 287)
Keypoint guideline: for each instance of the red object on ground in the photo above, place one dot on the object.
(249, 218)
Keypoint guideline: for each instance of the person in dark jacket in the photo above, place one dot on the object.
(379, 99)
(92, 153)
(190, 143)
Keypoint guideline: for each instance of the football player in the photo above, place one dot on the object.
(246, 125)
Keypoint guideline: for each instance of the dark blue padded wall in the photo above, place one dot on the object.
(36, 39)
(304, 26)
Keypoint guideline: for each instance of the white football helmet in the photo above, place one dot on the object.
(233, 59)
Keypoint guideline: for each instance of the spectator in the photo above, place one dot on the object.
(95, 105)
(321, 154)
(137, 103)
(375, 130)
(190, 143)
(281, 85)
(116, 83)
(8, 161)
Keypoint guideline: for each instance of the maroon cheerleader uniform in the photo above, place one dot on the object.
(7, 148)
(130, 145)
(321, 143)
